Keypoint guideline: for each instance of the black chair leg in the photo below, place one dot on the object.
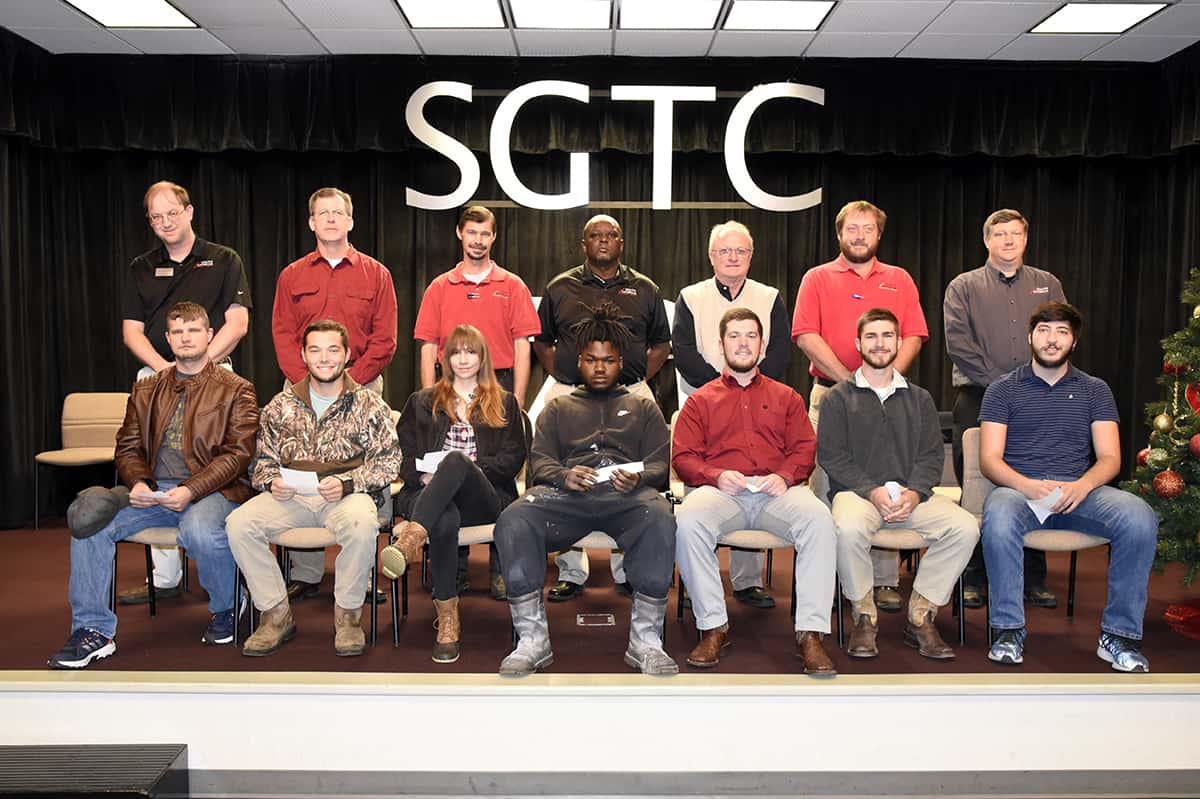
(679, 598)
(395, 613)
(404, 593)
(112, 588)
(374, 604)
(151, 591)
(837, 604)
(1071, 587)
(770, 566)
(962, 616)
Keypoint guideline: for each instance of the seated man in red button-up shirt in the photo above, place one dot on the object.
(744, 445)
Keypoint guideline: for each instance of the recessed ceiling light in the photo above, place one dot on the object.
(669, 14)
(777, 15)
(571, 14)
(1097, 17)
(452, 13)
(133, 13)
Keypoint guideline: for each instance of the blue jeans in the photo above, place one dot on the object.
(201, 533)
(1125, 520)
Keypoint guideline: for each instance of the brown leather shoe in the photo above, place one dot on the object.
(862, 639)
(925, 639)
(275, 628)
(707, 653)
(445, 650)
(810, 650)
(348, 637)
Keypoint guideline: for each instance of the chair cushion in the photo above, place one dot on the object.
(897, 539)
(306, 538)
(156, 537)
(753, 539)
(597, 540)
(1062, 540)
(476, 534)
(952, 493)
(77, 456)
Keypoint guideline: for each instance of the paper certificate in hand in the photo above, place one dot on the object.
(604, 473)
(431, 461)
(1041, 507)
(304, 482)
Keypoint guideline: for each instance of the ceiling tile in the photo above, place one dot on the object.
(1174, 21)
(82, 40)
(1142, 48)
(347, 42)
(466, 42)
(683, 44)
(24, 14)
(955, 45)
(783, 44)
(564, 42)
(1052, 47)
(172, 42)
(882, 16)
(270, 41)
(238, 13)
(991, 17)
(358, 15)
(857, 45)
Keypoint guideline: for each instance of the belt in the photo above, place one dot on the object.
(824, 381)
(503, 371)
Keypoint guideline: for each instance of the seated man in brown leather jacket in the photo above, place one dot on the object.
(183, 450)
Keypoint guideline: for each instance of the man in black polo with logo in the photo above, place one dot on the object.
(568, 299)
(183, 268)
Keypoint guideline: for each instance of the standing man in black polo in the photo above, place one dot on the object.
(986, 311)
(183, 268)
(569, 299)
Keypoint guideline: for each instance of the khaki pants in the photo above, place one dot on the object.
(254, 526)
(949, 531)
(885, 563)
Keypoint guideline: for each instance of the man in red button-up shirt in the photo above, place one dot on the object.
(744, 445)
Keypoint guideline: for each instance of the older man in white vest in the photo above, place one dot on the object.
(695, 344)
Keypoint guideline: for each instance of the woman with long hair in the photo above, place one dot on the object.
(477, 424)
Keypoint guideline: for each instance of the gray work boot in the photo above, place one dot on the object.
(533, 637)
(645, 650)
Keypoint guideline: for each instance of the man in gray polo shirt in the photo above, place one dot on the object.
(986, 311)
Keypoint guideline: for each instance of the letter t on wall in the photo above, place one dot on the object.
(664, 98)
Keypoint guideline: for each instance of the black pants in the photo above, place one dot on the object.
(548, 520)
(966, 415)
(458, 495)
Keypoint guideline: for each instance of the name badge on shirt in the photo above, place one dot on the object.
(164, 271)
(473, 294)
(202, 264)
(628, 291)
(1041, 290)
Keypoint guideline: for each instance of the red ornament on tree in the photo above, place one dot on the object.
(1192, 393)
(1194, 445)
(1173, 369)
(1168, 484)
(1141, 456)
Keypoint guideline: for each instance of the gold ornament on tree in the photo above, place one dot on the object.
(1163, 423)
(1196, 312)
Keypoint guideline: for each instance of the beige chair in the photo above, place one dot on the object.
(149, 538)
(976, 488)
(89, 435)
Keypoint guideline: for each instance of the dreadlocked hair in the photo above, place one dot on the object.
(606, 323)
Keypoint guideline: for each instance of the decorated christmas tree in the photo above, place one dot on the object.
(1168, 471)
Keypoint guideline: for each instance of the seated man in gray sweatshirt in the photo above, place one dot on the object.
(599, 457)
(881, 443)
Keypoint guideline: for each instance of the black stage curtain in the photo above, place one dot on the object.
(1119, 230)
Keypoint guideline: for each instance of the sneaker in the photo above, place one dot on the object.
(220, 629)
(1125, 654)
(82, 648)
(1009, 647)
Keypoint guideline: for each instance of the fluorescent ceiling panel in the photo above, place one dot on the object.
(133, 13)
(669, 14)
(1097, 17)
(565, 14)
(777, 15)
(452, 13)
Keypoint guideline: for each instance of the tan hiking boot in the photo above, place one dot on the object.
(404, 550)
(348, 637)
(448, 631)
(275, 628)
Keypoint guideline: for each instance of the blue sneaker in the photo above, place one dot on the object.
(82, 648)
(1125, 654)
(1008, 648)
(220, 626)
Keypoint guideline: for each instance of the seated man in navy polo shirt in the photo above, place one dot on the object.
(1040, 424)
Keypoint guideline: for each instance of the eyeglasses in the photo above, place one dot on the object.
(725, 252)
(158, 219)
(335, 213)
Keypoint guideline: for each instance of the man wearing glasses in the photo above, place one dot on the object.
(183, 268)
(334, 281)
(695, 342)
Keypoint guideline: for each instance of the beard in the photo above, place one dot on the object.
(1063, 357)
(880, 360)
(855, 258)
(741, 362)
(327, 380)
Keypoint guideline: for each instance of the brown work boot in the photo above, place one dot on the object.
(862, 639)
(348, 637)
(275, 628)
(811, 651)
(448, 630)
(707, 653)
(404, 550)
(924, 638)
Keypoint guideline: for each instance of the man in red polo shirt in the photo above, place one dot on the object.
(334, 281)
(831, 298)
(480, 292)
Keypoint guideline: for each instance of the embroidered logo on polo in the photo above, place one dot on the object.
(501, 294)
(628, 291)
(886, 287)
(202, 264)
(1040, 290)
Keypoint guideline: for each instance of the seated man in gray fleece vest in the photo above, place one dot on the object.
(881, 444)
